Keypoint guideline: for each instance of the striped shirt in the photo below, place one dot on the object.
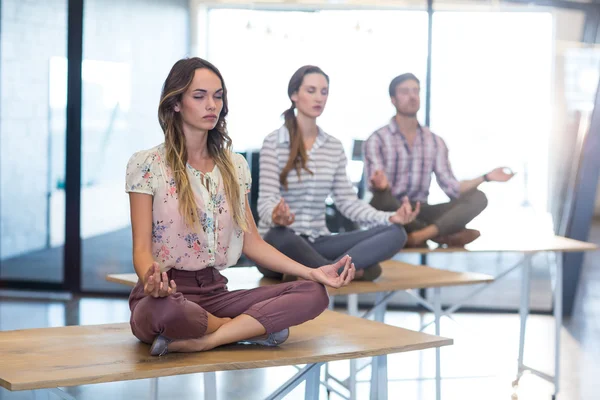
(306, 196)
(409, 170)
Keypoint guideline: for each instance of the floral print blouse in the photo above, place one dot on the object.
(219, 243)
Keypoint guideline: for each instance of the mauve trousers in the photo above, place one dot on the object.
(183, 315)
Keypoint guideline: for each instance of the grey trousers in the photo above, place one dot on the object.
(366, 247)
(449, 217)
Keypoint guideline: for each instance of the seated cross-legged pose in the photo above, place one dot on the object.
(300, 166)
(190, 219)
(399, 161)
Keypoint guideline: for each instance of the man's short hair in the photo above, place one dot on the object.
(399, 79)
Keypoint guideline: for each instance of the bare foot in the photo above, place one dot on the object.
(215, 323)
(192, 345)
(199, 344)
(414, 240)
(233, 331)
(458, 239)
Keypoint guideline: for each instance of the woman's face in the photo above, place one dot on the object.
(202, 102)
(311, 98)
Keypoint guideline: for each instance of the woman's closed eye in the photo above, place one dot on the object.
(218, 97)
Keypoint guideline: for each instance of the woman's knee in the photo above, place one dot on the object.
(278, 236)
(158, 308)
(316, 296)
(295, 247)
(152, 315)
(396, 237)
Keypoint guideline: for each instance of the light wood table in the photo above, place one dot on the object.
(529, 242)
(396, 276)
(51, 358)
(514, 243)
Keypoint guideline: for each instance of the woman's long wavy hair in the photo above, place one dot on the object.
(298, 156)
(219, 143)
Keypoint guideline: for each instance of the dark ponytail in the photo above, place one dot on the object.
(298, 157)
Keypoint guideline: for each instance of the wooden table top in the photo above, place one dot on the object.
(515, 242)
(80, 355)
(429, 277)
(396, 275)
(399, 275)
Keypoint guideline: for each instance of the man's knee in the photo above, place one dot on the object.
(478, 199)
(384, 201)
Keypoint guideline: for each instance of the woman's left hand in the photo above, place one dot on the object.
(328, 274)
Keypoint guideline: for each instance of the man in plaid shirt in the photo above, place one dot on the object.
(399, 161)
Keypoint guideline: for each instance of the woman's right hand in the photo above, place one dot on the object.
(157, 284)
(328, 274)
(405, 214)
(282, 215)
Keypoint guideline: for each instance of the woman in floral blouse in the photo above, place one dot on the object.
(190, 219)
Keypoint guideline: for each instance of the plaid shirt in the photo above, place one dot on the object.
(409, 170)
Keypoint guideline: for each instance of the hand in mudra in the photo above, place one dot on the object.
(379, 180)
(328, 274)
(501, 174)
(282, 215)
(157, 284)
(405, 214)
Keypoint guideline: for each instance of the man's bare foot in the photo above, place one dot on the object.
(415, 240)
(458, 239)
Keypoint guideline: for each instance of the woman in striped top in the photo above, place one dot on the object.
(300, 165)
